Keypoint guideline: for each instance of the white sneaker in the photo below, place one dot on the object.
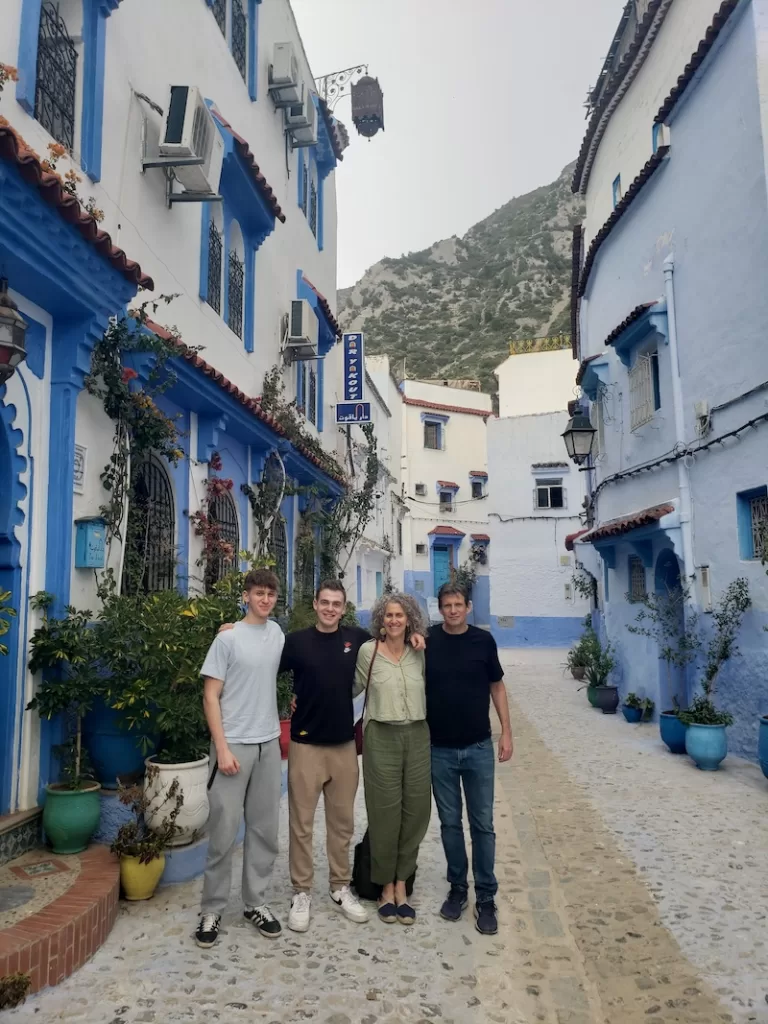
(298, 919)
(350, 906)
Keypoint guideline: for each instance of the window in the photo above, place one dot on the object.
(223, 515)
(549, 494)
(150, 551)
(477, 488)
(220, 14)
(235, 293)
(304, 186)
(240, 38)
(656, 135)
(752, 509)
(446, 501)
(421, 489)
(637, 587)
(421, 549)
(279, 551)
(56, 83)
(236, 20)
(313, 208)
(644, 389)
(312, 402)
(215, 249)
(758, 515)
(598, 422)
(432, 435)
(616, 191)
(301, 386)
(399, 537)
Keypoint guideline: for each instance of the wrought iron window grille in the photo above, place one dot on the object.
(240, 37)
(56, 85)
(758, 510)
(215, 249)
(236, 281)
(223, 514)
(279, 551)
(637, 585)
(313, 208)
(150, 551)
(220, 14)
(304, 188)
(312, 403)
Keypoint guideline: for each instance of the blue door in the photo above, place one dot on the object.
(379, 584)
(442, 566)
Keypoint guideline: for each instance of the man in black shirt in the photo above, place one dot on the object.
(463, 676)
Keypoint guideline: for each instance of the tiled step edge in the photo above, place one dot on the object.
(53, 943)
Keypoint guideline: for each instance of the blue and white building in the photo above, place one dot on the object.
(669, 312)
(237, 239)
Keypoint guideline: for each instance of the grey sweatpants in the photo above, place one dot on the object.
(255, 790)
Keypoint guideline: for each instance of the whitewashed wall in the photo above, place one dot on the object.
(536, 382)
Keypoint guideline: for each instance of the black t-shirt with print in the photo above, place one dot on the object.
(323, 666)
(460, 670)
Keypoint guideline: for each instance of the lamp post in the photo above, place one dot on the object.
(579, 437)
(12, 331)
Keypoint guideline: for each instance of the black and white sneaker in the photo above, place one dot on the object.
(264, 920)
(208, 930)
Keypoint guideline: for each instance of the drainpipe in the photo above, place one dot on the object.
(683, 478)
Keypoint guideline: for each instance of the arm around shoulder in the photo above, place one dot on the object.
(364, 656)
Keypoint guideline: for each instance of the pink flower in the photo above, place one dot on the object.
(128, 374)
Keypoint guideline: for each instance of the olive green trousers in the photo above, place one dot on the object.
(398, 796)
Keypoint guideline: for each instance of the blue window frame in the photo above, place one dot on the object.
(656, 136)
(752, 517)
(434, 431)
(238, 21)
(616, 191)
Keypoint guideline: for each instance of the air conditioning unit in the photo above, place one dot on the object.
(421, 490)
(301, 122)
(303, 328)
(190, 131)
(285, 87)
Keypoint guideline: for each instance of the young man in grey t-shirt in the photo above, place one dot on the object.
(240, 700)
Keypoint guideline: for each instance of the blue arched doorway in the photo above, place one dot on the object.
(669, 590)
(12, 492)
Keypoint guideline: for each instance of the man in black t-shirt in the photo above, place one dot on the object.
(463, 676)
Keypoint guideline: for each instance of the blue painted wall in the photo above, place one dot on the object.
(481, 601)
(537, 631)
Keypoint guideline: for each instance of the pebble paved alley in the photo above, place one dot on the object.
(633, 889)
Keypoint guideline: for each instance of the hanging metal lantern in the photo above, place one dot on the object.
(579, 437)
(13, 329)
(368, 106)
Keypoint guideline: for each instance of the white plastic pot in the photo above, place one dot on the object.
(193, 780)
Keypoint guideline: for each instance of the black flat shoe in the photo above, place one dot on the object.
(406, 914)
(388, 913)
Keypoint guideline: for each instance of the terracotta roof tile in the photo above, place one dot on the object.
(445, 531)
(571, 537)
(250, 403)
(337, 131)
(617, 527)
(447, 483)
(633, 317)
(631, 194)
(15, 150)
(259, 180)
(446, 408)
(325, 306)
(583, 369)
(481, 537)
(726, 10)
(478, 472)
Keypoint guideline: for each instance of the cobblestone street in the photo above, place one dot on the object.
(633, 889)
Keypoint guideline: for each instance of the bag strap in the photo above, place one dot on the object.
(368, 680)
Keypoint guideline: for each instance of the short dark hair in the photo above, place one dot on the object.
(261, 578)
(335, 585)
(451, 590)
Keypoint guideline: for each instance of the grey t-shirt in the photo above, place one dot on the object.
(247, 658)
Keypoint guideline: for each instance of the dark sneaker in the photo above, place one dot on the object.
(486, 918)
(208, 930)
(454, 905)
(264, 920)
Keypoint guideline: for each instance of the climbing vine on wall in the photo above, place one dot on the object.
(218, 555)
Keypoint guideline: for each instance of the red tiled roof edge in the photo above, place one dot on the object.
(448, 483)
(480, 537)
(577, 246)
(249, 403)
(571, 537)
(15, 150)
(719, 22)
(477, 472)
(423, 404)
(325, 306)
(632, 192)
(333, 127)
(617, 527)
(261, 182)
(620, 81)
(633, 317)
(584, 364)
(446, 531)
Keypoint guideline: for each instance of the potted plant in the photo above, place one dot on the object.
(648, 708)
(141, 849)
(64, 649)
(576, 661)
(601, 664)
(706, 740)
(669, 620)
(632, 708)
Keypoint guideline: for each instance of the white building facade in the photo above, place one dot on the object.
(445, 487)
(536, 501)
(236, 239)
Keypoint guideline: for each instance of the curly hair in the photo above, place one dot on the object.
(416, 623)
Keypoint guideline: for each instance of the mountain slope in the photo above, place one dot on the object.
(452, 309)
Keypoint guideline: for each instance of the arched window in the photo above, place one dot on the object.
(235, 280)
(279, 550)
(57, 58)
(149, 564)
(222, 514)
(215, 257)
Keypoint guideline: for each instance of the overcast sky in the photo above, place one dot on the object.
(483, 101)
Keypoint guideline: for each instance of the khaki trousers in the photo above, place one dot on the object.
(334, 772)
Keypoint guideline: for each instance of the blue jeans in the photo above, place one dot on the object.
(475, 768)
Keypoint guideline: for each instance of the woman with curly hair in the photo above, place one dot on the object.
(396, 752)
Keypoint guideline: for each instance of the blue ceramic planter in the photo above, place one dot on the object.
(707, 745)
(672, 732)
(114, 750)
(632, 714)
(762, 748)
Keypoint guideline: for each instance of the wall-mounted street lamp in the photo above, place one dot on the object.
(13, 329)
(365, 91)
(579, 437)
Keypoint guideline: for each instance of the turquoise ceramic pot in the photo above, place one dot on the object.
(707, 745)
(762, 749)
(672, 732)
(71, 816)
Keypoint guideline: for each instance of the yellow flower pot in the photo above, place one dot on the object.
(139, 881)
